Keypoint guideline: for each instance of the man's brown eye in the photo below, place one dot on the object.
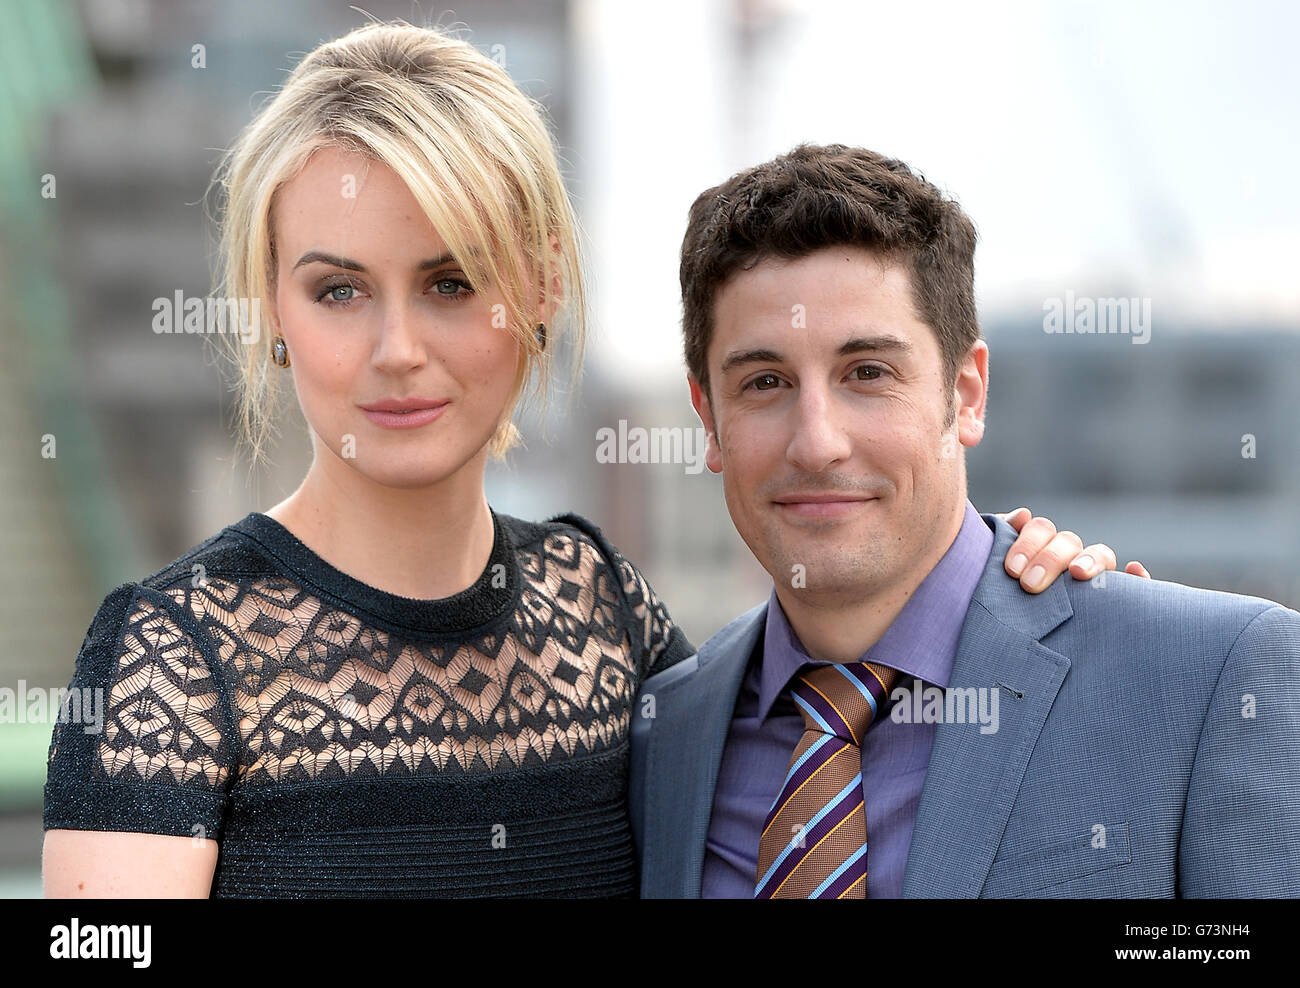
(875, 372)
(758, 382)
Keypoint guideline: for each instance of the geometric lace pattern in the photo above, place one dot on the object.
(309, 691)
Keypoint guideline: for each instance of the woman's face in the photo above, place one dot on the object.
(372, 308)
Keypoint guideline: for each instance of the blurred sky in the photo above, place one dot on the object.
(1145, 149)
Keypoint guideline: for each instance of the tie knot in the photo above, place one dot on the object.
(842, 699)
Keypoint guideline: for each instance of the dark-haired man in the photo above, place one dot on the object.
(1135, 738)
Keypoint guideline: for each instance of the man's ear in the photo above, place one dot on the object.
(700, 401)
(970, 390)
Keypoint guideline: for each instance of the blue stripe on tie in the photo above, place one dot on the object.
(862, 688)
(815, 715)
(857, 781)
(824, 739)
(838, 871)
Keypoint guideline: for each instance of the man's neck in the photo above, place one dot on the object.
(842, 627)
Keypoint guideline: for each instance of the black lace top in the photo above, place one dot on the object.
(336, 739)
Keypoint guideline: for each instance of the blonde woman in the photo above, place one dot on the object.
(380, 686)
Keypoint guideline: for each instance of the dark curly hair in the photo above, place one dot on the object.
(828, 196)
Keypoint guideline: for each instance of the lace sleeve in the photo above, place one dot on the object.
(144, 739)
(657, 640)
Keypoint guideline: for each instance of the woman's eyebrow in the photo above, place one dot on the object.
(320, 257)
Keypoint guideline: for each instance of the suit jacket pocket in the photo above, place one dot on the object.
(1023, 872)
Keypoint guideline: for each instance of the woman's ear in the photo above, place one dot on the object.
(272, 312)
(548, 300)
(271, 300)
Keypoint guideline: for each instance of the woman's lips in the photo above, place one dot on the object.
(404, 420)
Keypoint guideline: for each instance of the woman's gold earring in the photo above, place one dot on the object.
(541, 335)
(280, 352)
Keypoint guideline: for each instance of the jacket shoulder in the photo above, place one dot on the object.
(1171, 611)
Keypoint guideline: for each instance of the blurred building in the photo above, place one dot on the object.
(119, 110)
(1140, 446)
(1183, 452)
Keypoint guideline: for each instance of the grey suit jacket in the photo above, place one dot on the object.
(1148, 745)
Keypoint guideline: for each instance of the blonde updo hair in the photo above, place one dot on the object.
(475, 153)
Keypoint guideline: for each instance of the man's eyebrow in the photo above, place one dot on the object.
(883, 342)
(858, 344)
(756, 356)
(319, 256)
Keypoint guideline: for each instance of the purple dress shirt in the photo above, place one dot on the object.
(766, 726)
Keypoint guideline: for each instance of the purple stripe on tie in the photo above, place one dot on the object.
(851, 875)
(868, 679)
(804, 772)
(827, 712)
(838, 811)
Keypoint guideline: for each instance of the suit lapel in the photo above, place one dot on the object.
(973, 778)
(693, 704)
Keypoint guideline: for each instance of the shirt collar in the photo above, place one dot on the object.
(921, 641)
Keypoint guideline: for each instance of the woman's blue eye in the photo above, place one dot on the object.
(450, 286)
(330, 298)
(342, 294)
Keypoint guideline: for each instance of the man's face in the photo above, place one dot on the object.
(828, 417)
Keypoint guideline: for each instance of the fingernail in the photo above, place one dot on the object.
(1087, 562)
(1017, 563)
(1035, 576)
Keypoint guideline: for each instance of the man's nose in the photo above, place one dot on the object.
(818, 440)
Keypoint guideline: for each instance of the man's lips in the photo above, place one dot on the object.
(821, 504)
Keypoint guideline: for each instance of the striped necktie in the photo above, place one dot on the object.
(814, 841)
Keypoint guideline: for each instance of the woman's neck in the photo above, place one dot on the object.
(426, 543)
